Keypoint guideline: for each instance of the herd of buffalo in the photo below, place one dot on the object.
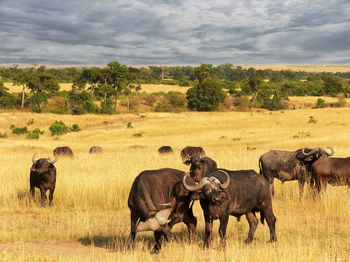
(161, 198)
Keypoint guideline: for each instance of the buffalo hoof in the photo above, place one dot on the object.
(248, 241)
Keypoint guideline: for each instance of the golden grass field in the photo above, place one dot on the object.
(89, 220)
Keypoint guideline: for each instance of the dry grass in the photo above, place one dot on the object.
(16, 89)
(90, 219)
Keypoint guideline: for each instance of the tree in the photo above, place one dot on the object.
(205, 96)
(332, 85)
(203, 73)
(7, 100)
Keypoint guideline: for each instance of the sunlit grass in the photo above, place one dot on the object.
(89, 220)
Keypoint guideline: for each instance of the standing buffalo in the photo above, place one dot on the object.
(165, 150)
(43, 176)
(157, 196)
(191, 151)
(290, 165)
(236, 193)
(63, 151)
(95, 150)
(200, 167)
(334, 171)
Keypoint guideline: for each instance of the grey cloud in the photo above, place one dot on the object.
(174, 32)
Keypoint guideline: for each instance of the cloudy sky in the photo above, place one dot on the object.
(174, 32)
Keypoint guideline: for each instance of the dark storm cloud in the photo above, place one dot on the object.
(174, 32)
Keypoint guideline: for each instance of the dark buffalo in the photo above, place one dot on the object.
(200, 167)
(43, 176)
(63, 151)
(191, 151)
(165, 150)
(157, 196)
(95, 150)
(236, 193)
(334, 171)
(290, 165)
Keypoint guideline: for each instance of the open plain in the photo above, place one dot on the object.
(89, 219)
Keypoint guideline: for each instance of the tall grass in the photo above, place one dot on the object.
(89, 220)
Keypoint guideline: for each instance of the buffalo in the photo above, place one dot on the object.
(200, 167)
(223, 193)
(63, 151)
(95, 150)
(191, 151)
(334, 171)
(43, 176)
(165, 150)
(290, 165)
(157, 196)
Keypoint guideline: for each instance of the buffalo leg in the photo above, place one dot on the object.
(133, 229)
(223, 227)
(208, 229)
(157, 245)
(272, 187)
(32, 190)
(43, 196)
(51, 196)
(253, 223)
(301, 188)
(191, 222)
(271, 221)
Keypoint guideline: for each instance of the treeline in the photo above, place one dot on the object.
(98, 89)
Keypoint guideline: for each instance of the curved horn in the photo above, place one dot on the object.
(54, 161)
(329, 154)
(227, 182)
(310, 153)
(193, 188)
(33, 159)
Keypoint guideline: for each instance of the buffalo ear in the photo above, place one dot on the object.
(187, 162)
(203, 162)
(196, 196)
(223, 194)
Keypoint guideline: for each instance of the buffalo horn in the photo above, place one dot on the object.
(329, 154)
(227, 182)
(310, 153)
(53, 161)
(33, 159)
(196, 187)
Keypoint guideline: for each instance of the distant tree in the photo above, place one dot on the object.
(7, 100)
(203, 73)
(332, 85)
(205, 96)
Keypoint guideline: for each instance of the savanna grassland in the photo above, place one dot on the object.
(89, 219)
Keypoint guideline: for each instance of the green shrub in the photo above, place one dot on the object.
(58, 128)
(129, 125)
(75, 128)
(106, 107)
(20, 130)
(320, 103)
(137, 134)
(35, 134)
(312, 120)
(341, 102)
(162, 107)
(89, 106)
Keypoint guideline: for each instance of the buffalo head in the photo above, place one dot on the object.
(209, 188)
(200, 167)
(42, 165)
(311, 155)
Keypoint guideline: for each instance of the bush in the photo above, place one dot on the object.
(320, 103)
(19, 130)
(149, 100)
(137, 134)
(89, 106)
(75, 128)
(242, 103)
(205, 96)
(162, 107)
(58, 128)
(34, 134)
(106, 107)
(177, 100)
(341, 102)
(312, 120)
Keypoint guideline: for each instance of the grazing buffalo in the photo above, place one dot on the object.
(165, 150)
(334, 171)
(157, 196)
(200, 167)
(95, 150)
(43, 176)
(191, 151)
(290, 165)
(236, 193)
(63, 151)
